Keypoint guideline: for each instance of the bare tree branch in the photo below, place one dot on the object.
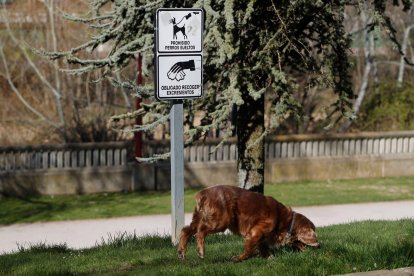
(19, 95)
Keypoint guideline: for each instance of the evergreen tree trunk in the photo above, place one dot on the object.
(250, 126)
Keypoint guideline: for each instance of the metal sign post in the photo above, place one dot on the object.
(177, 170)
(178, 76)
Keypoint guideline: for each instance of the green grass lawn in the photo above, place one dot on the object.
(343, 191)
(346, 248)
(48, 208)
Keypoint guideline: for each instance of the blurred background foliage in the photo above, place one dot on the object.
(78, 108)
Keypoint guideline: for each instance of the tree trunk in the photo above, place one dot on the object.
(250, 127)
(368, 59)
(404, 53)
(404, 45)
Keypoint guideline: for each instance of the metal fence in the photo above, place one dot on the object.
(119, 153)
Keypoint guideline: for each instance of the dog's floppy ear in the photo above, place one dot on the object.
(308, 237)
(305, 231)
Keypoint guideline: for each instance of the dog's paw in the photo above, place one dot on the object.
(201, 255)
(181, 256)
(236, 259)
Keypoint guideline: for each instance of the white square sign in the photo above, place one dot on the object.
(179, 30)
(179, 76)
(179, 54)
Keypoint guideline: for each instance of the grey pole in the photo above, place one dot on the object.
(177, 169)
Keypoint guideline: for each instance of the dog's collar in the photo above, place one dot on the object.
(292, 223)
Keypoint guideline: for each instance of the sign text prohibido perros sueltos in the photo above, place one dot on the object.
(179, 54)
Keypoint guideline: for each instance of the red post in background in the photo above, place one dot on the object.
(138, 119)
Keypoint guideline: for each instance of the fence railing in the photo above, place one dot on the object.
(199, 152)
(340, 145)
(306, 146)
(281, 147)
(87, 155)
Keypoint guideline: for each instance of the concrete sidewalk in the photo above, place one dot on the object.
(405, 271)
(88, 233)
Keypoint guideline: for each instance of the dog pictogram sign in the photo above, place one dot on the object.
(179, 54)
(179, 30)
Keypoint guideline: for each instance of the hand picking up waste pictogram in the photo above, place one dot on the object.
(176, 72)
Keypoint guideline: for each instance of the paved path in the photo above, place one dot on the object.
(405, 271)
(88, 233)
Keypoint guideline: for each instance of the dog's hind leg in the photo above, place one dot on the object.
(201, 234)
(186, 234)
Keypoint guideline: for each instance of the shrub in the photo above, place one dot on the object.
(388, 108)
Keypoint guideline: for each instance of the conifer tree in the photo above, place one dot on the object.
(251, 48)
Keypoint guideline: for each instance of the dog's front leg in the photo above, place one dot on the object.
(264, 250)
(250, 244)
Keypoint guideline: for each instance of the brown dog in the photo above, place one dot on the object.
(261, 220)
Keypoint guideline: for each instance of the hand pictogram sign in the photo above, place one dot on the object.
(177, 70)
(179, 76)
